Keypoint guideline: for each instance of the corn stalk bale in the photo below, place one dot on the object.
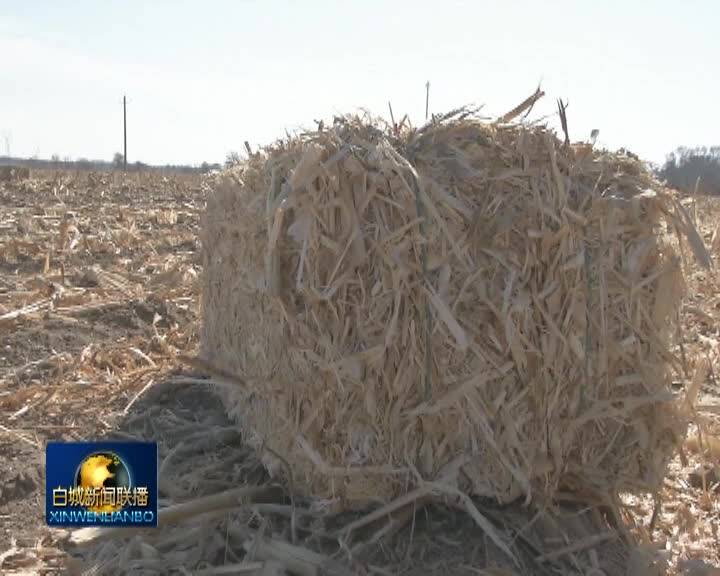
(392, 302)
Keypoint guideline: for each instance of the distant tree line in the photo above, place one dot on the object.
(684, 169)
(687, 167)
(56, 163)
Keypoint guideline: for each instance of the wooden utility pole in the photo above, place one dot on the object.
(124, 135)
(427, 99)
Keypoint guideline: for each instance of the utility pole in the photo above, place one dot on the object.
(124, 135)
(427, 99)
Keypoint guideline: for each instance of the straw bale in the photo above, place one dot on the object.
(390, 302)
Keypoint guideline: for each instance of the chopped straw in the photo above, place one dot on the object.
(393, 299)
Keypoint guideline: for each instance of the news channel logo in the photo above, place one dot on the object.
(101, 484)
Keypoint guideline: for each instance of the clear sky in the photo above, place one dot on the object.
(203, 77)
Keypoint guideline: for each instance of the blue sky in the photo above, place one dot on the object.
(203, 77)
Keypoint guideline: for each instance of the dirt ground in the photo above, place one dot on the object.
(97, 296)
(99, 308)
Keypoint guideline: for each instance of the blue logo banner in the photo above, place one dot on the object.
(101, 484)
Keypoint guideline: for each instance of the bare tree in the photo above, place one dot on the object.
(118, 159)
(687, 167)
(232, 159)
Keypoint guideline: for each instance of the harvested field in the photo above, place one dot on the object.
(98, 299)
(98, 286)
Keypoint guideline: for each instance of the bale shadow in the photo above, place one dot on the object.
(201, 453)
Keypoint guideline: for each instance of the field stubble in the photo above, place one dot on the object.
(99, 310)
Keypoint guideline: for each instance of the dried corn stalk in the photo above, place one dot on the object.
(466, 290)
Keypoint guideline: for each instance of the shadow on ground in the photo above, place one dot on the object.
(201, 453)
